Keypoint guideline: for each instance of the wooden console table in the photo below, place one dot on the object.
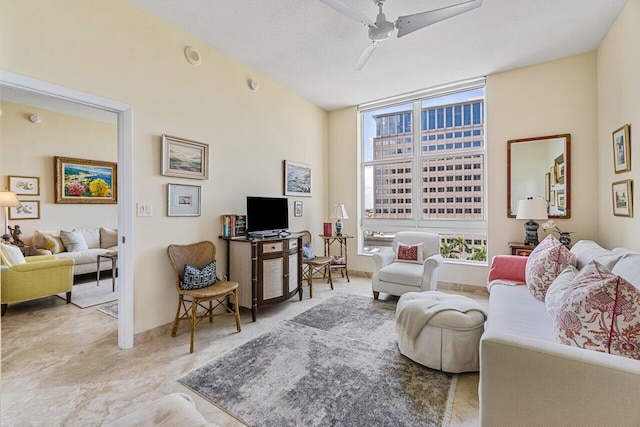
(342, 245)
(521, 249)
(268, 270)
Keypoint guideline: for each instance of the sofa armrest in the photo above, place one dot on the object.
(41, 265)
(382, 259)
(529, 382)
(508, 267)
(43, 257)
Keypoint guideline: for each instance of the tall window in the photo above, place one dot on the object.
(429, 176)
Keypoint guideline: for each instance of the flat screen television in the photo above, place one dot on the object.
(267, 215)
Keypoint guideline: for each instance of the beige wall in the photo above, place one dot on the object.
(121, 52)
(619, 104)
(545, 99)
(28, 149)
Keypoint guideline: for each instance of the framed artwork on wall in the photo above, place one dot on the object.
(622, 195)
(547, 186)
(183, 200)
(621, 150)
(297, 179)
(30, 209)
(185, 159)
(297, 208)
(558, 167)
(25, 185)
(85, 181)
(560, 201)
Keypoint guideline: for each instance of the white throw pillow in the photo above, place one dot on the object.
(108, 237)
(73, 241)
(554, 298)
(409, 253)
(38, 239)
(91, 236)
(12, 254)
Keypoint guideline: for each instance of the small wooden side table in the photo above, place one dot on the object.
(342, 245)
(521, 249)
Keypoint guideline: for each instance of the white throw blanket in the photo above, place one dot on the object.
(414, 314)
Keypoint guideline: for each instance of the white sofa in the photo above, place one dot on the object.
(527, 379)
(99, 242)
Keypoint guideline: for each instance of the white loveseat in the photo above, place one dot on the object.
(527, 379)
(99, 241)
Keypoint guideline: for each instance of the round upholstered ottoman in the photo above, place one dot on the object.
(440, 331)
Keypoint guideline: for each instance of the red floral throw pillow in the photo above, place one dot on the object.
(601, 312)
(545, 263)
(409, 253)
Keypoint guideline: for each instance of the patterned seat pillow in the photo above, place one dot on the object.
(410, 253)
(198, 278)
(307, 252)
(555, 294)
(545, 263)
(601, 312)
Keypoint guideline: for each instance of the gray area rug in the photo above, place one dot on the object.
(89, 294)
(111, 310)
(337, 364)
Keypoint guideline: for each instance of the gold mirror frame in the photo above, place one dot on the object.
(551, 178)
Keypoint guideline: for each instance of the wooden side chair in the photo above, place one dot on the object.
(312, 266)
(200, 255)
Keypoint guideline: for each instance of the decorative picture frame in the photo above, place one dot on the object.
(621, 149)
(547, 186)
(183, 200)
(184, 158)
(297, 179)
(30, 209)
(560, 200)
(24, 185)
(558, 168)
(552, 198)
(297, 208)
(622, 198)
(552, 174)
(86, 181)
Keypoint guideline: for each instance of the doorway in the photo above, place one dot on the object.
(124, 115)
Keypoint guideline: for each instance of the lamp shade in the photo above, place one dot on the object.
(532, 209)
(339, 212)
(9, 199)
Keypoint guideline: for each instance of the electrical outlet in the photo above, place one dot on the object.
(144, 209)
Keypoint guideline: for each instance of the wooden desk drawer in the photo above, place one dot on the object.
(271, 247)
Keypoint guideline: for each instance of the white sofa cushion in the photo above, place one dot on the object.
(73, 241)
(554, 299)
(601, 312)
(402, 272)
(12, 254)
(588, 250)
(91, 236)
(108, 237)
(88, 256)
(629, 269)
(545, 263)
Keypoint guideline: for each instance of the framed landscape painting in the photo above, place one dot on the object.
(25, 185)
(622, 194)
(184, 158)
(621, 150)
(297, 179)
(30, 209)
(85, 181)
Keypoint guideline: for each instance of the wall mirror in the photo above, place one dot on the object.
(540, 167)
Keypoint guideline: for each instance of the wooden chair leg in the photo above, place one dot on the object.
(210, 312)
(68, 297)
(4, 308)
(330, 277)
(177, 319)
(192, 321)
(236, 309)
(376, 294)
(310, 281)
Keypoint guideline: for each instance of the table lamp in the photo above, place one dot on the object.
(8, 199)
(339, 213)
(532, 209)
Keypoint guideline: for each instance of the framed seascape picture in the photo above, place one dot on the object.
(297, 208)
(297, 179)
(183, 200)
(25, 185)
(30, 209)
(621, 150)
(85, 181)
(184, 158)
(622, 194)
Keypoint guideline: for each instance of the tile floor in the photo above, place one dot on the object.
(61, 364)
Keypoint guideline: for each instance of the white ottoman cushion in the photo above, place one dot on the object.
(441, 331)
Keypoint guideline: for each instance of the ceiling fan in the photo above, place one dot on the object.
(382, 29)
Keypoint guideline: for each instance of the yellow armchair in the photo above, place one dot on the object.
(34, 277)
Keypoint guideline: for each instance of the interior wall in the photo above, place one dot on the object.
(28, 149)
(619, 104)
(119, 51)
(546, 99)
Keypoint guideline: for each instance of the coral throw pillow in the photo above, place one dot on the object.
(545, 263)
(601, 312)
(410, 253)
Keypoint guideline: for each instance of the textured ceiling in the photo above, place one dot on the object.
(311, 49)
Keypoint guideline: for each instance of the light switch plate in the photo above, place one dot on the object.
(144, 209)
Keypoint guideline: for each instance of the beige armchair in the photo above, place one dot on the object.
(397, 278)
(28, 278)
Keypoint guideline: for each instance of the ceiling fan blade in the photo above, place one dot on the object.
(410, 23)
(347, 11)
(366, 54)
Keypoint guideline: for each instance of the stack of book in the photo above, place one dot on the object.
(232, 225)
